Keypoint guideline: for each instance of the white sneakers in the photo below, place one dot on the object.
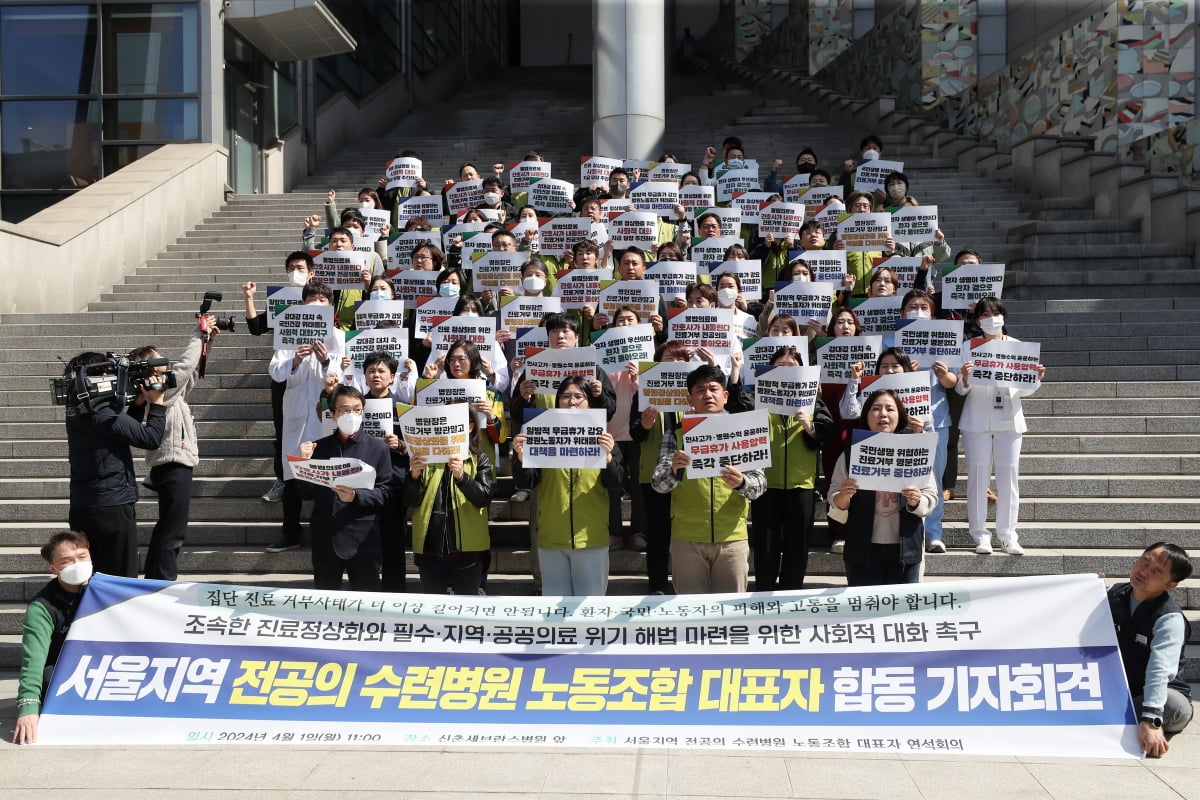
(1012, 548)
(984, 547)
(838, 546)
(935, 546)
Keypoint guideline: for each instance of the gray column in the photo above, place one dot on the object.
(211, 22)
(629, 78)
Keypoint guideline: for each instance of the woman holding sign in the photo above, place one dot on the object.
(844, 322)
(783, 515)
(572, 511)
(992, 425)
(450, 519)
(885, 533)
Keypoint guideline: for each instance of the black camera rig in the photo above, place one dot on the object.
(112, 383)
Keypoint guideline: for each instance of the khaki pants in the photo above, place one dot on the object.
(710, 567)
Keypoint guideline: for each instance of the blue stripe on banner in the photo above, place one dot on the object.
(103, 591)
(1044, 687)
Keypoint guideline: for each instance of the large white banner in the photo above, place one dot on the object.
(956, 667)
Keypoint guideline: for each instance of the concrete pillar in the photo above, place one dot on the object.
(628, 78)
(211, 22)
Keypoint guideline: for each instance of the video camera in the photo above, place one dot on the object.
(112, 383)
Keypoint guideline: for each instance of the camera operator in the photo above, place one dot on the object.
(103, 486)
(171, 465)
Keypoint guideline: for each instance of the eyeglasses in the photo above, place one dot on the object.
(422, 257)
(572, 396)
(345, 410)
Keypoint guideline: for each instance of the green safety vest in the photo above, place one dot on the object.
(572, 509)
(470, 523)
(706, 510)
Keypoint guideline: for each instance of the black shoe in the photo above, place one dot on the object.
(284, 544)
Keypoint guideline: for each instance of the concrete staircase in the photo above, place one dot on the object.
(1109, 462)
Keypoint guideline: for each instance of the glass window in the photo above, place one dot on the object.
(48, 144)
(16, 207)
(176, 120)
(122, 155)
(47, 50)
(151, 48)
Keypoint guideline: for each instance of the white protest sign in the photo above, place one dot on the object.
(437, 433)
(599, 234)
(560, 234)
(303, 324)
(657, 197)
(827, 266)
(750, 203)
(1003, 362)
(716, 441)
(914, 389)
(669, 171)
(377, 416)
(819, 195)
(888, 462)
(863, 232)
(696, 197)
(804, 300)
(464, 195)
(531, 340)
(425, 206)
(402, 172)
(360, 344)
(963, 285)
(412, 284)
(786, 390)
(633, 229)
(369, 313)
(375, 221)
(480, 331)
(330, 472)
(451, 232)
(519, 311)
(711, 251)
(444, 391)
(758, 351)
(914, 223)
(631, 164)
(567, 438)
(594, 170)
(430, 308)
(826, 216)
(364, 244)
(580, 287)
(673, 277)
(616, 347)
(877, 314)
(793, 187)
(930, 340)
(400, 247)
(730, 219)
(663, 385)
(547, 368)
(748, 271)
(905, 268)
(521, 172)
(498, 269)
(735, 180)
(550, 194)
(836, 354)
(870, 175)
(339, 269)
(641, 296)
(712, 328)
(780, 219)
(279, 298)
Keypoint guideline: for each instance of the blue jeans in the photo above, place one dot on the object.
(933, 523)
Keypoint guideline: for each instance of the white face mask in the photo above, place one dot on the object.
(918, 315)
(992, 326)
(490, 198)
(801, 277)
(726, 297)
(76, 574)
(870, 155)
(349, 424)
(367, 205)
(381, 294)
(299, 277)
(735, 163)
(533, 283)
(469, 314)
(897, 191)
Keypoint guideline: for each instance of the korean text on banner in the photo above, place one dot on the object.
(915, 390)
(330, 472)
(888, 462)
(437, 433)
(836, 354)
(663, 385)
(967, 668)
(930, 340)
(1003, 362)
(786, 390)
(758, 351)
(564, 437)
(963, 285)
(616, 347)
(548, 368)
(302, 324)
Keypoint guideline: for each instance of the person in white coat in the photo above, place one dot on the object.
(992, 425)
(304, 370)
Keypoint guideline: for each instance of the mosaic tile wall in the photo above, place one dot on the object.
(923, 54)
(830, 31)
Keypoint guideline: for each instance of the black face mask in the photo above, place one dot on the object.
(805, 168)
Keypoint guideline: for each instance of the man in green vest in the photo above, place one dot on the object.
(709, 547)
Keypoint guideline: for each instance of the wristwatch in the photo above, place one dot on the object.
(1155, 721)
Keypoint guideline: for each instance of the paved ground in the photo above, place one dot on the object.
(412, 773)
